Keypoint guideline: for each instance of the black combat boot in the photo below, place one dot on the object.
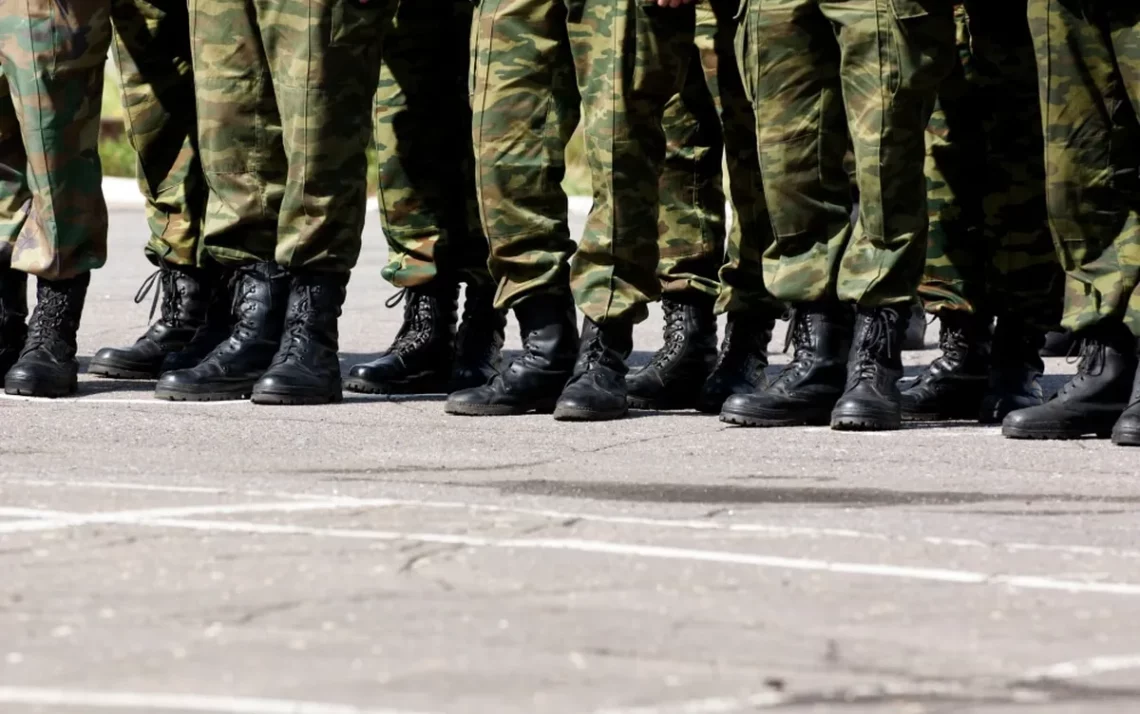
(807, 389)
(1015, 375)
(673, 379)
(216, 329)
(1126, 432)
(479, 343)
(1094, 399)
(306, 368)
(872, 401)
(261, 296)
(742, 361)
(597, 390)
(533, 381)
(953, 386)
(421, 357)
(47, 366)
(185, 295)
(13, 316)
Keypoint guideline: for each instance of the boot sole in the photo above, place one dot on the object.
(1126, 438)
(496, 410)
(363, 386)
(121, 373)
(775, 422)
(574, 414)
(280, 399)
(1051, 434)
(850, 423)
(232, 395)
(938, 416)
(27, 389)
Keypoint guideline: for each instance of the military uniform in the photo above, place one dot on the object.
(539, 66)
(284, 99)
(990, 252)
(428, 207)
(1088, 56)
(826, 75)
(710, 120)
(53, 219)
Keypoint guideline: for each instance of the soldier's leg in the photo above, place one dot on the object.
(889, 98)
(427, 207)
(751, 309)
(1024, 282)
(526, 107)
(790, 61)
(613, 272)
(53, 55)
(244, 163)
(324, 57)
(1090, 95)
(953, 285)
(14, 197)
(152, 52)
(691, 244)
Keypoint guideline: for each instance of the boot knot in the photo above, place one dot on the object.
(164, 283)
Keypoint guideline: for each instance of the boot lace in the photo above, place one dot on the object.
(49, 320)
(165, 285)
(874, 343)
(415, 333)
(1090, 356)
(296, 322)
(798, 336)
(674, 333)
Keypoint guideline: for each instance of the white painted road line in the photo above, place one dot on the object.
(939, 575)
(176, 702)
(81, 399)
(1084, 668)
(699, 525)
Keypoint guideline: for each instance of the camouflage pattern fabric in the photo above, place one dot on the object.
(990, 251)
(710, 121)
(428, 205)
(285, 94)
(535, 61)
(53, 219)
(1089, 64)
(152, 53)
(809, 104)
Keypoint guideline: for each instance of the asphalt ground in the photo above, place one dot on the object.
(381, 557)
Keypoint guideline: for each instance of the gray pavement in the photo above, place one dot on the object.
(379, 556)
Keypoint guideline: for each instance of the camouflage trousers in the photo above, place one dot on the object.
(428, 203)
(536, 63)
(1089, 64)
(152, 52)
(709, 121)
(990, 251)
(285, 94)
(823, 75)
(53, 219)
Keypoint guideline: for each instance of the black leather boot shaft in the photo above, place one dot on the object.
(479, 342)
(872, 401)
(185, 294)
(597, 390)
(533, 381)
(306, 368)
(676, 374)
(807, 389)
(1058, 343)
(47, 366)
(954, 384)
(420, 359)
(1015, 377)
(261, 297)
(215, 329)
(915, 336)
(742, 361)
(1094, 399)
(13, 316)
